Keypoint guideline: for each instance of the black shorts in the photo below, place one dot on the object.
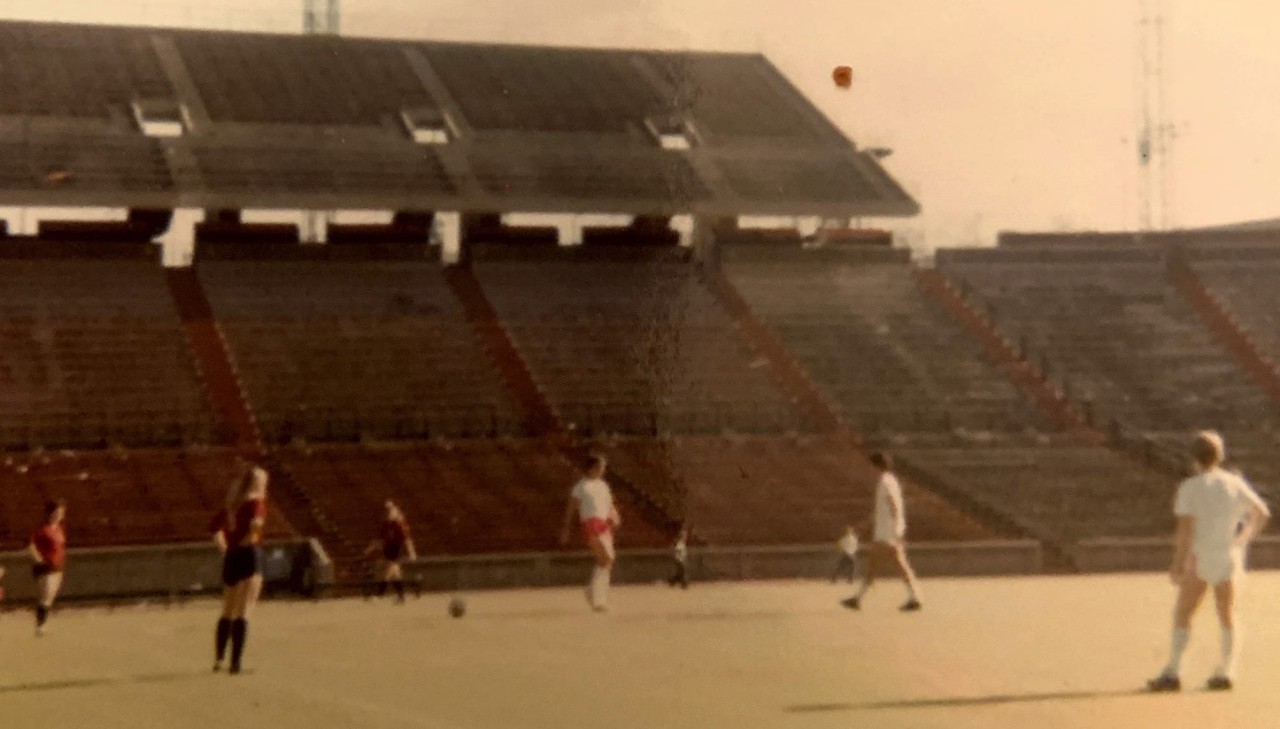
(241, 563)
(41, 569)
(392, 552)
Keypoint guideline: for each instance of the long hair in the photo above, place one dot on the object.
(248, 485)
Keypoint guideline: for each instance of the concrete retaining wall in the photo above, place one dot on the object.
(167, 569)
(1153, 555)
(721, 563)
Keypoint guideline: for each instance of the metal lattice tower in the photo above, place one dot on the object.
(320, 17)
(1155, 134)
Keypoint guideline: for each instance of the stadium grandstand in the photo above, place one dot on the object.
(562, 261)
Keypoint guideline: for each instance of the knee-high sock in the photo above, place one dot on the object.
(1230, 646)
(42, 614)
(599, 586)
(239, 634)
(398, 586)
(1177, 646)
(223, 635)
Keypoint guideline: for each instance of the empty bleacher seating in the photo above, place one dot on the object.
(120, 497)
(287, 167)
(633, 346)
(888, 358)
(347, 349)
(731, 95)
(1120, 340)
(76, 71)
(1062, 492)
(610, 174)
(466, 497)
(771, 490)
(82, 161)
(91, 351)
(544, 89)
(276, 79)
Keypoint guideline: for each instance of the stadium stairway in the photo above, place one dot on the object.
(502, 352)
(539, 414)
(797, 383)
(789, 375)
(235, 415)
(222, 385)
(1001, 352)
(1224, 327)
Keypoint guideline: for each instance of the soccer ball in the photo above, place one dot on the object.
(842, 76)
(457, 607)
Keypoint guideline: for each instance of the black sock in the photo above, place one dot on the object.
(239, 634)
(398, 586)
(382, 589)
(224, 635)
(42, 614)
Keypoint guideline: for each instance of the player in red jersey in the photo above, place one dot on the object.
(48, 549)
(396, 545)
(237, 531)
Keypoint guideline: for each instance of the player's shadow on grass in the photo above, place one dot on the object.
(83, 683)
(962, 701)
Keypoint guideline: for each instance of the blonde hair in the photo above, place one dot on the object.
(252, 484)
(1208, 448)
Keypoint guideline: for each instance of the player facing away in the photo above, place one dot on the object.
(395, 545)
(237, 531)
(48, 550)
(847, 566)
(889, 536)
(1218, 514)
(680, 560)
(592, 502)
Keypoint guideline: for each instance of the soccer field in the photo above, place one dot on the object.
(1055, 652)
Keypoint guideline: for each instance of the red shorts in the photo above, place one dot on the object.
(595, 527)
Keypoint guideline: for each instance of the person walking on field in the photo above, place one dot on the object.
(847, 567)
(889, 536)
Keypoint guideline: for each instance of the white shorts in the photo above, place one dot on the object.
(886, 534)
(1218, 567)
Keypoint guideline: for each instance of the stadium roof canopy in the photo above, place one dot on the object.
(149, 117)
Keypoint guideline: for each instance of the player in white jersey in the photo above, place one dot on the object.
(889, 536)
(1218, 514)
(592, 502)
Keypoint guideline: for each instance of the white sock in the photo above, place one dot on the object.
(1228, 666)
(1177, 646)
(599, 586)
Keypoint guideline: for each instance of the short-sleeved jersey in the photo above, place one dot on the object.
(1218, 500)
(235, 532)
(595, 500)
(394, 534)
(849, 544)
(889, 492)
(681, 550)
(50, 542)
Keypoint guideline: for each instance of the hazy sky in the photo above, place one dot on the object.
(1003, 114)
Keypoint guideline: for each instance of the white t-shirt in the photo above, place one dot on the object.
(595, 501)
(889, 491)
(849, 544)
(1219, 501)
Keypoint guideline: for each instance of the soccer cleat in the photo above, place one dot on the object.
(1164, 683)
(911, 606)
(217, 666)
(234, 670)
(853, 603)
(1219, 683)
